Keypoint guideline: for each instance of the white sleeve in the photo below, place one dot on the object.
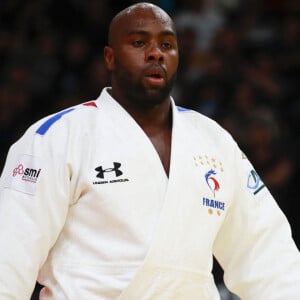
(255, 245)
(34, 201)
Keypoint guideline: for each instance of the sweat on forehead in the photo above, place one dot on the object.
(133, 12)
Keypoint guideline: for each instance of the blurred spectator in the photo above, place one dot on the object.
(200, 16)
(74, 59)
(95, 77)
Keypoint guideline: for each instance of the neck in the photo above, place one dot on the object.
(151, 118)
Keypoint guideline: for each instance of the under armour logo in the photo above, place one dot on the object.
(115, 169)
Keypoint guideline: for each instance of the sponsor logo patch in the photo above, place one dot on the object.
(254, 183)
(24, 176)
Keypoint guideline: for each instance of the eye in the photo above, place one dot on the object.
(138, 43)
(167, 45)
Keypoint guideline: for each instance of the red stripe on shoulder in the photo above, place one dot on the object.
(91, 103)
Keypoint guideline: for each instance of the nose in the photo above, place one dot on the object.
(154, 53)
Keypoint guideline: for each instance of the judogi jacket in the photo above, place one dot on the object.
(87, 208)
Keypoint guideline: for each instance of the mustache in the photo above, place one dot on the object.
(155, 69)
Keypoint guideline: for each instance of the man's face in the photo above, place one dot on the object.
(144, 57)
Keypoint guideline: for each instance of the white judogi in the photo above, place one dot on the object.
(86, 206)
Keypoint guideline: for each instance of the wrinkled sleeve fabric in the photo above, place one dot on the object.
(34, 201)
(255, 245)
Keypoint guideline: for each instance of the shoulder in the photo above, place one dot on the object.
(202, 124)
(53, 133)
(73, 115)
(75, 119)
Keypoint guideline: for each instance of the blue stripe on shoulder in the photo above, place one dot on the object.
(180, 108)
(48, 123)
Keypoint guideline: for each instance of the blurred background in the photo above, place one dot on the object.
(239, 64)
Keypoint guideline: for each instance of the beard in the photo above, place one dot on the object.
(151, 96)
(139, 95)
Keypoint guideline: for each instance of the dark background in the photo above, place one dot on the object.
(239, 64)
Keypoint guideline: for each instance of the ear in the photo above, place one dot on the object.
(109, 58)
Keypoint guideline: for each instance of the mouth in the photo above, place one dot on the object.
(155, 75)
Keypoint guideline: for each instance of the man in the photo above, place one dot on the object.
(129, 197)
